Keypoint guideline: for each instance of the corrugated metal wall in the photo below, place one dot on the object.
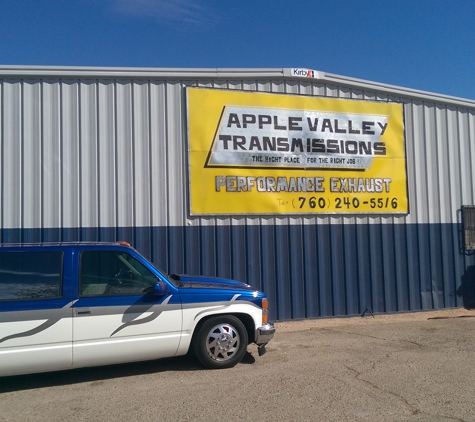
(103, 156)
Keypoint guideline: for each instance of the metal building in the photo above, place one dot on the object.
(103, 154)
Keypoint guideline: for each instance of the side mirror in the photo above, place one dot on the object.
(161, 289)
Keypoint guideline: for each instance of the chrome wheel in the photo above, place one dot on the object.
(222, 342)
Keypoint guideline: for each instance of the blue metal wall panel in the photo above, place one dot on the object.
(390, 281)
(224, 252)
(377, 269)
(253, 256)
(177, 249)
(283, 277)
(424, 266)
(296, 271)
(208, 250)
(363, 258)
(436, 268)
(401, 267)
(49, 236)
(269, 272)
(413, 264)
(238, 252)
(449, 265)
(160, 247)
(192, 246)
(307, 271)
(310, 258)
(323, 263)
(351, 268)
(338, 264)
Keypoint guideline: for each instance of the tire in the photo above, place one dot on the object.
(220, 342)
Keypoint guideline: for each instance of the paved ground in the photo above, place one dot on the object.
(409, 367)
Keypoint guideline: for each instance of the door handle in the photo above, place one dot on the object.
(82, 311)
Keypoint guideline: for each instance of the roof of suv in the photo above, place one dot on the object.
(63, 244)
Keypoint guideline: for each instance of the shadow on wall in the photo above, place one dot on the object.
(467, 288)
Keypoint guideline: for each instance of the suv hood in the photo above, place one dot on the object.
(202, 282)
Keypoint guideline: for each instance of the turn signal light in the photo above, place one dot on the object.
(265, 304)
(265, 311)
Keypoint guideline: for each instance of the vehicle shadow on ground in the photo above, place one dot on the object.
(76, 376)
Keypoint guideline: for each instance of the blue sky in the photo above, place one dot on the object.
(421, 44)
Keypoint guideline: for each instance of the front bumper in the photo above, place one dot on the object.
(264, 334)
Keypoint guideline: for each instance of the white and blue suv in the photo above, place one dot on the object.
(72, 305)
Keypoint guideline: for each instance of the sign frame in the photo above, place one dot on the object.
(335, 156)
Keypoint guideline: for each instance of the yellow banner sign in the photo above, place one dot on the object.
(260, 153)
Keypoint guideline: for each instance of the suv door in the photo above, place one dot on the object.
(117, 317)
(35, 311)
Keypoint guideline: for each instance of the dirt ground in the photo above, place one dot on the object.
(413, 367)
(358, 321)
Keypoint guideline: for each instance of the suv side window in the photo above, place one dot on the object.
(30, 275)
(113, 273)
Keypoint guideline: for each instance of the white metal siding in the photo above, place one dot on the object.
(113, 152)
